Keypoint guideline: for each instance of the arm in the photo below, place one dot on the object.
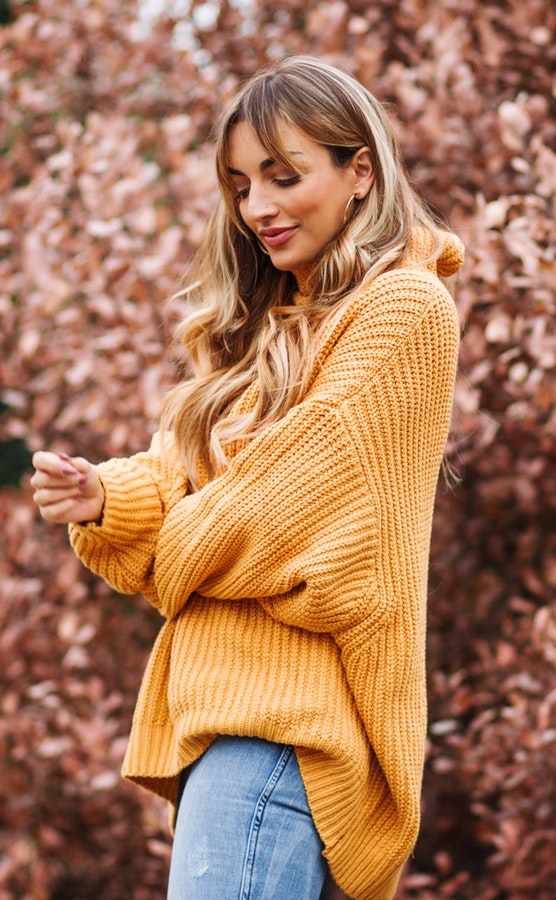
(117, 538)
(263, 527)
(71, 491)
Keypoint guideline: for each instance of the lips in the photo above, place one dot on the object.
(277, 237)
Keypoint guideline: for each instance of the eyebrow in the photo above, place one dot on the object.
(266, 164)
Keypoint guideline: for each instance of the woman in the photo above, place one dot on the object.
(281, 519)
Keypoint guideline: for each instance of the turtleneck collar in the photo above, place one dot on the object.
(302, 276)
(420, 246)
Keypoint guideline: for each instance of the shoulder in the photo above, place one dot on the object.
(403, 313)
(406, 294)
(392, 308)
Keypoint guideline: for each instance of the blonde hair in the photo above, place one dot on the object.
(246, 327)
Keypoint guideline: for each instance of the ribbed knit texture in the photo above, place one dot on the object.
(294, 584)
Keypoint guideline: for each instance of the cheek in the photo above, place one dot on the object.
(324, 213)
(321, 207)
(328, 205)
(326, 219)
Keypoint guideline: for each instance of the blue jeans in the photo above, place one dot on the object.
(244, 830)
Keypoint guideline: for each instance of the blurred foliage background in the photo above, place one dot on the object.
(105, 183)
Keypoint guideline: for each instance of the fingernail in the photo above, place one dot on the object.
(82, 483)
(69, 470)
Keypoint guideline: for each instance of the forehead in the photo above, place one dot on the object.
(288, 145)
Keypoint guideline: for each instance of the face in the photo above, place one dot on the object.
(294, 216)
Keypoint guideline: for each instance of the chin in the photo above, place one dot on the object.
(291, 264)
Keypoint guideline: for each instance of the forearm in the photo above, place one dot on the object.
(120, 546)
(274, 526)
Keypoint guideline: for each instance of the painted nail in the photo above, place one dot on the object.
(82, 483)
(69, 470)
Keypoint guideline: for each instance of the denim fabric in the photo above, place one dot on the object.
(244, 830)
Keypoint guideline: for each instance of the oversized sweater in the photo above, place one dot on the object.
(293, 584)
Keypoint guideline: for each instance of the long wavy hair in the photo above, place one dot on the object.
(246, 327)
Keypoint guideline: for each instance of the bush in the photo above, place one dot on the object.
(106, 180)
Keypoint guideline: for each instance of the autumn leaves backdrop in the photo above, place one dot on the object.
(105, 182)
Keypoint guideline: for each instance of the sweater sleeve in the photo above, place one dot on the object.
(138, 491)
(267, 526)
(310, 515)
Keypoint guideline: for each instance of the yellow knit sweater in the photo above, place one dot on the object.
(294, 584)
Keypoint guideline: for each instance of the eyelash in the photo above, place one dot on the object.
(288, 182)
(281, 182)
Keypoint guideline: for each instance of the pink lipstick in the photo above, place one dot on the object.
(277, 237)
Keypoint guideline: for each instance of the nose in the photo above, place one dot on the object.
(260, 204)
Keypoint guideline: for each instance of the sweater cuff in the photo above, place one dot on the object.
(132, 511)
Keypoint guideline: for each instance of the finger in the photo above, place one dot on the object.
(63, 512)
(50, 496)
(82, 465)
(88, 481)
(65, 480)
(46, 461)
(53, 463)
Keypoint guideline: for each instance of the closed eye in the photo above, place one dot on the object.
(288, 182)
(280, 182)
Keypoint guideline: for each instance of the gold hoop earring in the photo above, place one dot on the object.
(349, 209)
(263, 248)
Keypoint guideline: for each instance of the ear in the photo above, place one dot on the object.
(363, 172)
